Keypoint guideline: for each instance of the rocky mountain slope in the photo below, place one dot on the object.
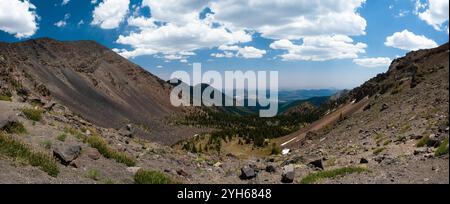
(401, 136)
(93, 82)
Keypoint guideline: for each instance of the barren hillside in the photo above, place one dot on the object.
(401, 135)
(92, 81)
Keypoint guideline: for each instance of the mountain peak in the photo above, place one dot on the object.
(86, 76)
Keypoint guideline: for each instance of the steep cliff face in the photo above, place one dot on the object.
(92, 81)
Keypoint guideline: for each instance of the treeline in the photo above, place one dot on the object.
(250, 128)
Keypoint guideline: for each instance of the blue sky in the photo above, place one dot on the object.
(321, 44)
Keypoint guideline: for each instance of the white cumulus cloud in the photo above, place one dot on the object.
(229, 47)
(435, 13)
(18, 17)
(249, 52)
(320, 48)
(63, 22)
(407, 40)
(60, 24)
(141, 22)
(176, 26)
(373, 62)
(225, 54)
(110, 13)
(177, 39)
(292, 19)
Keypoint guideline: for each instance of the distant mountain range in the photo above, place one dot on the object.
(314, 101)
(303, 94)
(286, 99)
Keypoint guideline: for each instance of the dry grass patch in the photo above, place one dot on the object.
(13, 127)
(97, 142)
(315, 177)
(152, 177)
(33, 114)
(17, 150)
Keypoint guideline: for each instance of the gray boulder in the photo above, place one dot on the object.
(247, 173)
(67, 154)
(270, 168)
(127, 131)
(421, 150)
(363, 161)
(317, 164)
(93, 154)
(7, 119)
(433, 142)
(288, 174)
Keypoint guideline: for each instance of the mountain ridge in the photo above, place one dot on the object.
(86, 76)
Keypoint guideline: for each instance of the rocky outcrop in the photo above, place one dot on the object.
(67, 154)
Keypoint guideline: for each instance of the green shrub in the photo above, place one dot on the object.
(5, 98)
(74, 132)
(276, 150)
(16, 84)
(314, 177)
(47, 144)
(93, 174)
(95, 141)
(151, 177)
(108, 181)
(32, 114)
(331, 162)
(13, 127)
(69, 130)
(422, 142)
(442, 149)
(18, 150)
(61, 137)
(378, 151)
(379, 141)
(405, 128)
(36, 102)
